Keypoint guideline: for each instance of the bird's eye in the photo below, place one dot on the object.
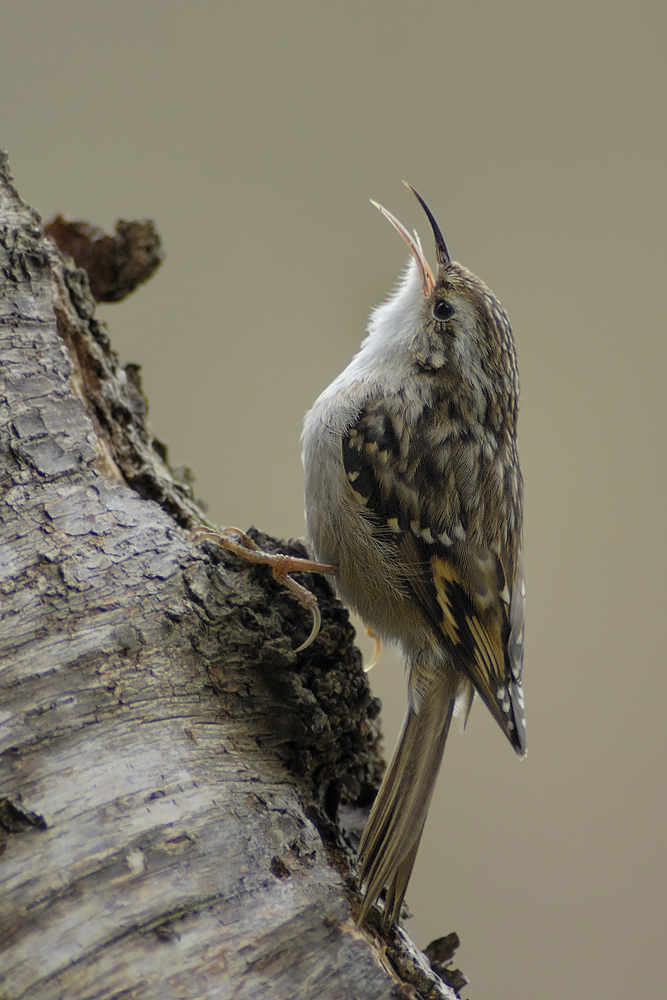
(443, 310)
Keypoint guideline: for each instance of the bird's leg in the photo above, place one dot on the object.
(236, 541)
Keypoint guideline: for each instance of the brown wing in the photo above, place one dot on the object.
(463, 569)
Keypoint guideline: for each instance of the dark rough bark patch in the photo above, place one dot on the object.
(115, 265)
(127, 450)
(153, 711)
(14, 819)
(440, 954)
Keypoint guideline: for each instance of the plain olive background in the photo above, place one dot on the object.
(254, 134)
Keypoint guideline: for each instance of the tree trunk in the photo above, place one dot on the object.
(180, 792)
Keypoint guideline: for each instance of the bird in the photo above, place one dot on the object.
(414, 499)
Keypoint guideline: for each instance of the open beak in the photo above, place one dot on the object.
(414, 245)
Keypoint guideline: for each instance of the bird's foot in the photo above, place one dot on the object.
(237, 541)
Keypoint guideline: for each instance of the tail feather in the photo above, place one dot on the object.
(397, 887)
(389, 843)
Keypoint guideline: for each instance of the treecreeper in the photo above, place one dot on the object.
(413, 493)
(414, 506)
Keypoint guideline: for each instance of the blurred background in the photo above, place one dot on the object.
(254, 134)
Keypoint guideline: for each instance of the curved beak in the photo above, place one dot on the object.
(414, 244)
(440, 245)
(415, 248)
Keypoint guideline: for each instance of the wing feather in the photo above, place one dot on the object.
(460, 560)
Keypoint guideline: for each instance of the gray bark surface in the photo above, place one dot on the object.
(172, 774)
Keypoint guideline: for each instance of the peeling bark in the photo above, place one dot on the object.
(180, 792)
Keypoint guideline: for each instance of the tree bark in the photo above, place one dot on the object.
(180, 792)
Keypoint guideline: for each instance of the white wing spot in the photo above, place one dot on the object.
(427, 536)
(500, 693)
(414, 528)
(393, 525)
(444, 538)
(352, 476)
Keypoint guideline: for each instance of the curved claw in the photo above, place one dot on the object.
(305, 597)
(314, 632)
(376, 655)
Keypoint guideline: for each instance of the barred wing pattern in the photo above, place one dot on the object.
(438, 512)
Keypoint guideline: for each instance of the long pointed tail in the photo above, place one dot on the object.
(389, 843)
